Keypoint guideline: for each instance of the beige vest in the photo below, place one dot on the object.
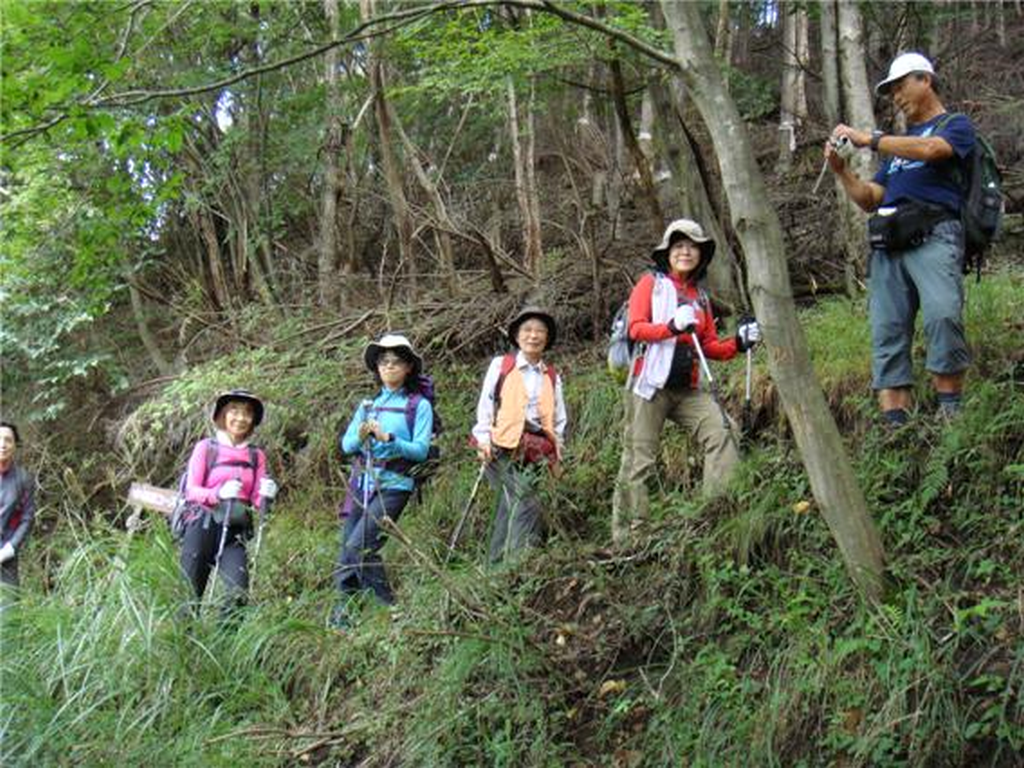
(510, 420)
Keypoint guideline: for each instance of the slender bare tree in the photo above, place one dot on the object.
(821, 448)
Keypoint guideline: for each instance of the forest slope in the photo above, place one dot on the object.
(729, 634)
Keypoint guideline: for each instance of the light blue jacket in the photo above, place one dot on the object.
(411, 447)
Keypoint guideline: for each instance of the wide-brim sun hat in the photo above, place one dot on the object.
(239, 396)
(532, 312)
(690, 229)
(903, 65)
(394, 342)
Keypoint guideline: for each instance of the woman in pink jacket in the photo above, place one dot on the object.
(227, 481)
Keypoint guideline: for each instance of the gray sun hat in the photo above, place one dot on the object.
(394, 342)
(528, 313)
(239, 396)
(903, 65)
(690, 229)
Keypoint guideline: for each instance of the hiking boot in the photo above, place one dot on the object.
(340, 620)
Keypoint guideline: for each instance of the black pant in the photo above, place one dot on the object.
(199, 557)
(359, 563)
(9, 572)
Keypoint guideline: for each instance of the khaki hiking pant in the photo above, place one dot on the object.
(694, 411)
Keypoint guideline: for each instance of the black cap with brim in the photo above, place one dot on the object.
(240, 396)
(529, 313)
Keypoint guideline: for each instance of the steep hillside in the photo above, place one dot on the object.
(729, 634)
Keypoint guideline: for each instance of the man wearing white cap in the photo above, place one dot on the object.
(916, 237)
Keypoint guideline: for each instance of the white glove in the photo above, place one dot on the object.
(6, 552)
(684, 320)
(268, 488)
(231, 489)
(748, 335)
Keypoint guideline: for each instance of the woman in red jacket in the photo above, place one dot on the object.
(667, 309)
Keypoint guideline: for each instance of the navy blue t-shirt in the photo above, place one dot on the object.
(929, 182)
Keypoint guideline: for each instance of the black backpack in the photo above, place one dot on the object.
(180, 516)
(982, 212)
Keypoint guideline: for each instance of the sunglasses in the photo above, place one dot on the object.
(390, 361)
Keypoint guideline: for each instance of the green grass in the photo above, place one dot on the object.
(730, 636)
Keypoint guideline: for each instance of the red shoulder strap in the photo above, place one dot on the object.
(508, 362)
(553, 375)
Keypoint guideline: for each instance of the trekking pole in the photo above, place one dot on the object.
(465, 512)
(228, 509)
(367, 477)
(713, 389)
(746, 423)
(261, 513)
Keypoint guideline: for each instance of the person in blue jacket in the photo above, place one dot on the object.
(389, 435)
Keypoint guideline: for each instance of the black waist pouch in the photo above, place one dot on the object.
(904, 227)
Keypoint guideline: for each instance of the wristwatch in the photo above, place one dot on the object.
(876, 136)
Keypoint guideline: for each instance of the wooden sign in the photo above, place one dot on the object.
(152, 497)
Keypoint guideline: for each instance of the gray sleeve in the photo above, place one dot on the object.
(26, 500)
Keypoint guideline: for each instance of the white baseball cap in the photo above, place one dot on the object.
(902, 66)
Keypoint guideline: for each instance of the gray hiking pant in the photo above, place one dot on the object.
(519, 517)
(928, 278)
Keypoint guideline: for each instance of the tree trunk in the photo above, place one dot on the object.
(392, 170)
(444, 223)
(830, 61)
(857, 111)
(722, 35)
(821, 448)
(643, 168)
(793, 101)
(803, 54)
(145, 335)
(525, 183)
(203, 224)
(693, 200)
(328, 285)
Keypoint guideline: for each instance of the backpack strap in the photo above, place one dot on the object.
(411, 405)
(508, 362)
(409, 409)
(552, 374)
(960, 169)
(212, 446)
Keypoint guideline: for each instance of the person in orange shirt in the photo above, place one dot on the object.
(520, 426)
(667, 310)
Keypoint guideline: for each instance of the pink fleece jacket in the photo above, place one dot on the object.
(202, 488)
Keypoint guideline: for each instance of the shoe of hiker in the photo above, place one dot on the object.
(672, 324)
(17, 505)
(225, 483)
(389, 435)
(519, 430)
